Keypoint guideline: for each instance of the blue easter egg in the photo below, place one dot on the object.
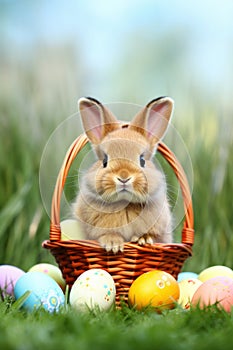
(186, 276)
(45, 292)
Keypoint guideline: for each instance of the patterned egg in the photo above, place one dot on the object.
(217, 290)
(156, 288)
(186, 276)
(51, 270)
(45, 292)
(215, 271)
(94, 290)
(8, 277)
(187, 288)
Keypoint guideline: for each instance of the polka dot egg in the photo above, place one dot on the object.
(94, 290)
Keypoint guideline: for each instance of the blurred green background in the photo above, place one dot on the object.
(54, 52)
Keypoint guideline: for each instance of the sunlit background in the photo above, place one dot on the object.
(54, 52)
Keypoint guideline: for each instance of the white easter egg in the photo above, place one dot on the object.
(94, 289)
(187, 289)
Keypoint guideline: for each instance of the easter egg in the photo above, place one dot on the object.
(70, 229)
(215, 271)
(187, 289)
(217, 290)
(8, 277)
(94, 290)
(156, 288)
(45, 292)
(51, 270)
(186, 276)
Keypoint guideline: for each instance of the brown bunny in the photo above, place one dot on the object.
(123, 195)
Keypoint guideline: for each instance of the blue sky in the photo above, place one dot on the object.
(100, 28)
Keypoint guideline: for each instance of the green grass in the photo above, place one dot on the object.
(118, 329)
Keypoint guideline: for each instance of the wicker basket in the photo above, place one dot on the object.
(76, 256)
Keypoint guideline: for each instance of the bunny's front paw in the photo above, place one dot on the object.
(112, 242)
(147, 238)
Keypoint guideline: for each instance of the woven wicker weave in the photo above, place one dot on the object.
(77, 256)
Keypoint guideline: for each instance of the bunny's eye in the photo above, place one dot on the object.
(105, 160)
(142, 161)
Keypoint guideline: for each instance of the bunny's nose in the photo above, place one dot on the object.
(124, 181)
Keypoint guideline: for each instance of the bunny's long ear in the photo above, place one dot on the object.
(97, 120)
(152, 121)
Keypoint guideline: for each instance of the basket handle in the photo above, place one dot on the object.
(77, 145)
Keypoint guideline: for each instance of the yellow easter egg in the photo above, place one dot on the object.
(157, 289)
(51, 270)
(215, 271)
(71, 230)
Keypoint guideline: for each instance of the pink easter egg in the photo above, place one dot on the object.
(9, 275)
(217, 290)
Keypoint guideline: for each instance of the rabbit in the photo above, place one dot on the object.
(123, 196)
